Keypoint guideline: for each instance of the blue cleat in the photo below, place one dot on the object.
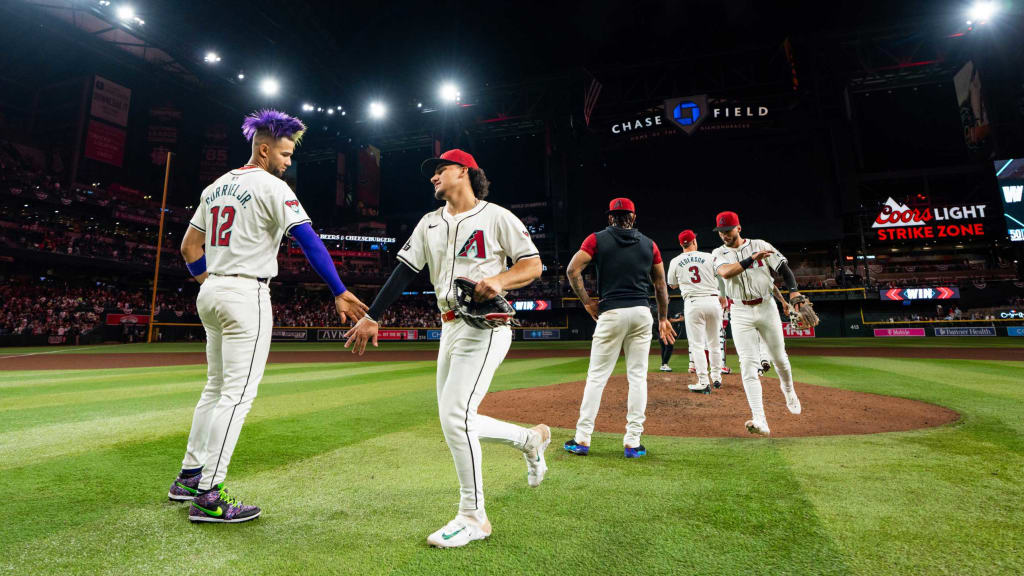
(635, 452)
(572, 447)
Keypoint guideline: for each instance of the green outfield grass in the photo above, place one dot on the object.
(950, 342)
(351, 469)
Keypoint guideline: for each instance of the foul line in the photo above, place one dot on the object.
(79, 349)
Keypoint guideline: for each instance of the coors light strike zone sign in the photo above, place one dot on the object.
(899, 222)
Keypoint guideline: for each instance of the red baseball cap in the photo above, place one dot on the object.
(687, 236)
(726, 221)
(454, 156)
(621, 205)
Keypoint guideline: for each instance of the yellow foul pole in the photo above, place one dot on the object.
(159, 248)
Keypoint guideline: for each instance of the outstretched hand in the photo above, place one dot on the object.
(761, 255)
(364, 331)
(349, 306)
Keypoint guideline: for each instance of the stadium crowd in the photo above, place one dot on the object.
(50, 309)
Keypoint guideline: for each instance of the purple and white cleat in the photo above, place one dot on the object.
(184, 489)
(217, 506)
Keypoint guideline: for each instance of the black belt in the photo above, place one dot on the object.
(260, 280)
(753, 302)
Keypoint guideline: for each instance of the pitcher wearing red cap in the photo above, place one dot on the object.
(471, 238)
(693, 275)
(746, 269)
(626, 262)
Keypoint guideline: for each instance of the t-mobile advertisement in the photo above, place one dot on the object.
(898, 332)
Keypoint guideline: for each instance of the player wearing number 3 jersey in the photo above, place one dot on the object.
(692, 273)
(231, 248)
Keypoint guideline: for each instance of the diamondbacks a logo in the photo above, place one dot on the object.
(474, 246)
(618, 205)
(687, 113)
(293, 204)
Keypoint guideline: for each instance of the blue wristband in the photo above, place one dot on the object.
(198, 267)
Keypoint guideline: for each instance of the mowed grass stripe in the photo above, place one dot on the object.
(355, 488)
(32, 445)
(86, 404)
(33, 382)
(144, 385)
(140, 471)
(369, 497)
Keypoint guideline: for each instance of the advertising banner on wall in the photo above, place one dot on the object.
(793, 332)
(288, 334)
(930, 293)
(966, 331)
(116, 319)
(110, 101)
(898, 332)
(398, 335)
(897, 221)
(1015, 330)
(1010, 173)
(105, 143)
(531, 305)
(542, 334)
(213, 158)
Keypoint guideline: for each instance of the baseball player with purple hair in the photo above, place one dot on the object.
(230, 247)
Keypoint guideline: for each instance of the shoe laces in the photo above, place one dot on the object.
(231, 500)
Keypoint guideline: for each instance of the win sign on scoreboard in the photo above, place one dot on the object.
(1010, 174)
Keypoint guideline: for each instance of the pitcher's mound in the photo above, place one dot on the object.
(673, 410)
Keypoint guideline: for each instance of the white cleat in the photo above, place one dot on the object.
(459, 532)
(666, 368)
(536, 467)
(792, 402)
(700, 388)
(755, 427)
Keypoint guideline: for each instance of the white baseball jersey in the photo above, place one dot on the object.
(474, 244)
(244, 214)
(754, 282)
(693, 273)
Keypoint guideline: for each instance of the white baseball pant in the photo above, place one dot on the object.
(238, 319)
(703, 321)
(466, 363)
(629, 330)
(749, 323)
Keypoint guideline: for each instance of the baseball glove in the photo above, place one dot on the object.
(805, 317)
(493, 313)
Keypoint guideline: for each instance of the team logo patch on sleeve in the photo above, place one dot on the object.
(293, 204)
(474, 246)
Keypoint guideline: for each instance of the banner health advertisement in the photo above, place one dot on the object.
(966, 331)
(1010, 174)
(542, 334)
(898, 332)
